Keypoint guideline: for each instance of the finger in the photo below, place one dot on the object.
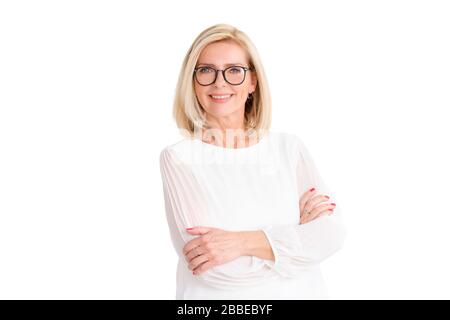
(191, 245)
(319, 209)
(194, 253)
(325, 213)
(324, 209)
(305, 218)
(314, 201)
(203, 267)
(197, 241)
(305, 197)
(197, 261)
(198, 230)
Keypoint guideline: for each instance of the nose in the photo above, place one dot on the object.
(220, 80)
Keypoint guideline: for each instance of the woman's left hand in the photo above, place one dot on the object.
(213, 247)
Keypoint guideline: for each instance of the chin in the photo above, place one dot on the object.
(221, 110)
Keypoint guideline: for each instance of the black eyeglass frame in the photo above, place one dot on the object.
(223, 74)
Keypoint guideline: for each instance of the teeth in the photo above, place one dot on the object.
(221, 97)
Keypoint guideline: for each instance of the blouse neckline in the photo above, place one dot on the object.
(262, 140)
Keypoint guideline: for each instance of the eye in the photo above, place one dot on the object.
(235, 70)
(204, 69)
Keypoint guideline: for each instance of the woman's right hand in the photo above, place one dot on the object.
(311, 207)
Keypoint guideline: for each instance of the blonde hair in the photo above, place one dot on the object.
(187, 111)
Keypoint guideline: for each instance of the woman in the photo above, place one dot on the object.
(248, 213)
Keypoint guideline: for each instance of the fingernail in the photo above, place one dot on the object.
(189, 228)
(333, 204)
(327, 197)
(311, 190)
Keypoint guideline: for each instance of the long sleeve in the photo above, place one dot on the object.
(295, 246)
(185, 207)
(302, 245)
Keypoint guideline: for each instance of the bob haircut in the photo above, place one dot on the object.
(187, 111)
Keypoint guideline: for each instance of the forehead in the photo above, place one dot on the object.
(222, 53)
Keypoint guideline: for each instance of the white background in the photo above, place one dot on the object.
(86, 92)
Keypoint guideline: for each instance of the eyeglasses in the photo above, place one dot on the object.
(234, 75)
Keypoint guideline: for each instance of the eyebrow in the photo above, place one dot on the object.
(227, 65)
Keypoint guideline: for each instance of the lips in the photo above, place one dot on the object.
(220, 98)
(220, 94)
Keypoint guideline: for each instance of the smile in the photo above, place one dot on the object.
(221, 98)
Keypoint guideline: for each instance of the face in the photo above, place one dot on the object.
(220, 55)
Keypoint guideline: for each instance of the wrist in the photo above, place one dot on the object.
(255, 243)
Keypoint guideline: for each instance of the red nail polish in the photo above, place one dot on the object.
(333, 204)
(189, 228)
(311, 190)
(327, 197)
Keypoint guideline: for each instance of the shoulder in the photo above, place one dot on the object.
(292, 145)
(288, 139)
(178, 152)
(171, 147)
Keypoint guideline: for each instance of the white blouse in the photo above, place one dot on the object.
(250, 188)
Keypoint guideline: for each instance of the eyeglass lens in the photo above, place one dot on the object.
(233, 75)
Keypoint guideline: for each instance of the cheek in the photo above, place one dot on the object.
(244, 89)
(198, 91)
(201, 95)
(242, 93)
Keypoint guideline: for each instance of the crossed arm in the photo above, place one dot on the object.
(215, 246)
(274, 251)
